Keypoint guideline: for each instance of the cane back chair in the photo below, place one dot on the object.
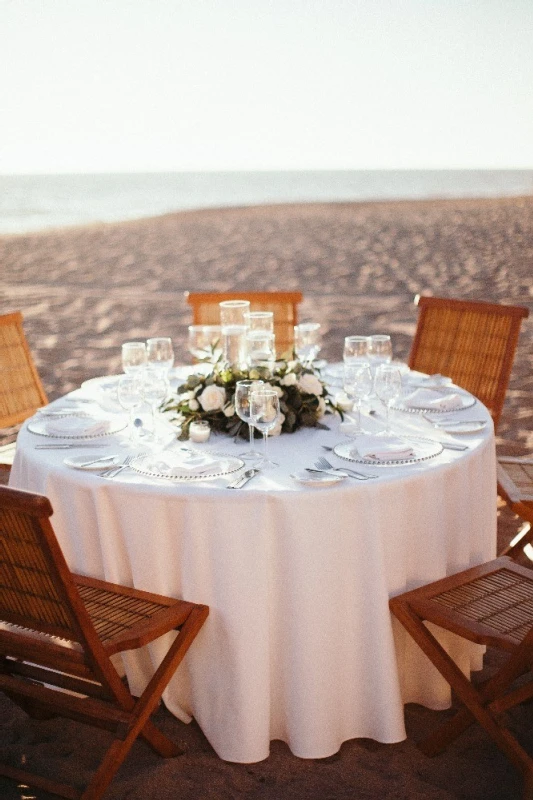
(473, 343)
(491, 604)
(515, 486)
(60, 630)
(284, 305)
(21, 390)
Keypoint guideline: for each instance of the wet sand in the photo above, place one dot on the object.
(83, 291)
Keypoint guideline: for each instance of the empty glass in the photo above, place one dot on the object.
(133, 356)
(205, 342)
(242, 408)
(379, 350)
(307, 341)
(154, 390)
(355, 349)
(265, 412)
(358, 385)
(261, 349)
(160, 354)
(387, 386)
(130, 397)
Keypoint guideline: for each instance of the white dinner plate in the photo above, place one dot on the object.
(174, 468)
(467, 401)
(423, 449)
(84, 461)
(39, 425)
(317, 479)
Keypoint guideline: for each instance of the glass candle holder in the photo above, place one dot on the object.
(199, 431)
(233, 312)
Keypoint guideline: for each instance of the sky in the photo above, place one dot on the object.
(164, 85)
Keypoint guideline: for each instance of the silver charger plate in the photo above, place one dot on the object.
(38, 425)
(424, 449)
(223, 466)
(467, 401)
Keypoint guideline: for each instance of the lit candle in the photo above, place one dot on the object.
(199, 431)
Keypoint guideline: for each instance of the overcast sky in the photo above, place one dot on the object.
(156, 85)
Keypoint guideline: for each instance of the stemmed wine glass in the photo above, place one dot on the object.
(154, 389)
(355, 349)
(379, 350)
(130, 397)
(242, 407)
(133, 356)
(160, 354)
(358, 385)
(307, 341)
(388, 386)
(264, 413)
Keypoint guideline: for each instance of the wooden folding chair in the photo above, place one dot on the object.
(473, 343)
(60, 630)
(515, 486)
(21, 390)
(284, 305)
(491, 604)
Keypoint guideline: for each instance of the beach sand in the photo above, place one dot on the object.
(83, 291)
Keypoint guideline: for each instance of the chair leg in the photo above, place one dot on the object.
(516, 546)
(140, 724)
(472, 698)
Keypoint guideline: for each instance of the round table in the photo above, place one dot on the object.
(299, 644)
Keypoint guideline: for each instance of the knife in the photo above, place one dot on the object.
(66, 446)
(243, 480)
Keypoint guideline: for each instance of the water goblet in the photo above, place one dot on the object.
(154, 390)
(307, 341)
(388, 386)
(355, 349)
(130, 397)
(242, 408)
(379, 350)
(265, 413)
(358, 385)
(133, 356)
(205, 342)
(160, 354)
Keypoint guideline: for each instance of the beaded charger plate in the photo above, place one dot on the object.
(423, 450)
(175, 469)
(41, 426)
(467, 401)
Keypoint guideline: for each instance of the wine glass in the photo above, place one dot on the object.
(205, 342)
(264, 413)
(133, 356)
(379, 350)
(355, 349)
(242, 408)
(358, 385)
(307, 341)
(154, 389)
(160, 354)
(388, 386)
(130, 397)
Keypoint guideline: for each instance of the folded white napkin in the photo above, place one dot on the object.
(383, 448)
(429, 399)
(76, 426)
(177, 467)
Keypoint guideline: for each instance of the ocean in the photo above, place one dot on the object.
(38, 202)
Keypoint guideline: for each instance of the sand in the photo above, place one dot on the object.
(85, 290)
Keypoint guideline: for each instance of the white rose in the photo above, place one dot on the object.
(194, 405)
(190, 395)
(276, 430)
(212, 398)
(310, 384)
(229, 411)
(321, 407)
(289, 379)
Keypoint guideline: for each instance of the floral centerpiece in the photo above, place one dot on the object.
(304, 399)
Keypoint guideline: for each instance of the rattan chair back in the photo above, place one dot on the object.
(515, 486)
(491, 605)
(284, 305)
(58, 632)
(473, 343)
(21, 390)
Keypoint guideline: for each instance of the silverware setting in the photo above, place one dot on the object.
(111, 472)
(67, 446)
(99, 460)
(323, 464)
(446, 423)
(244, 478)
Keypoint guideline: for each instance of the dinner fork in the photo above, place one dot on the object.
(323, 463)
(112, 471)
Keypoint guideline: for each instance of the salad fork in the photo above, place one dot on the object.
(323, 463)
(110, 472)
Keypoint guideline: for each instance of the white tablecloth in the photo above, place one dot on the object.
(299, 644)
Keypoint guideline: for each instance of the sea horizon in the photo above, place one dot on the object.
(36, 202)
